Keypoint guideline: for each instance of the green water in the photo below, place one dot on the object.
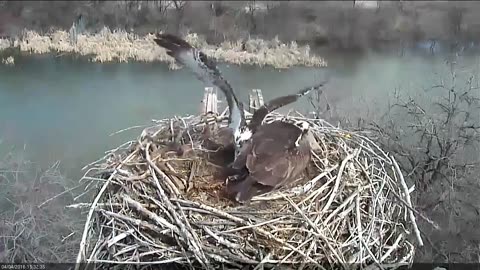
(64, 109)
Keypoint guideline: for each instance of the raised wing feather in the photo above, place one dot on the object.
(205, 69)
(279, 102)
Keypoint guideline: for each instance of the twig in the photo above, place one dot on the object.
(58, 195)
(409, 202)
(359, 228)
(338, 179)
(81, 252)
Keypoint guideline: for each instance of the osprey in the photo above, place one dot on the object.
(267, 156)
(223, 143)
(275, 155)
(206, 71)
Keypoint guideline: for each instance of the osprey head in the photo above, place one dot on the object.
(304, 128)
(302, 125)
(242, 135)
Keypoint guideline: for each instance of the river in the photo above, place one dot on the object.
(64, 109)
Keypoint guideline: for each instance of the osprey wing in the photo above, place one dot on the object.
(205, 69)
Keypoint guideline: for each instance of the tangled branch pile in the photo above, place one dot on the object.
(351, 206)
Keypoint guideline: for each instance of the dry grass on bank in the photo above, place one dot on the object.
(4, 44)
(9, 61)
(120, 46)
(351, 206)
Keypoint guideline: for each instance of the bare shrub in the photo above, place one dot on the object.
(435, 136)
(35, 225)
(436, 140)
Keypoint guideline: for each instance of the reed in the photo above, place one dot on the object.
(120, 46)
(9, 61)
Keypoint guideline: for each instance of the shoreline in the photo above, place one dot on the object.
(123, 47)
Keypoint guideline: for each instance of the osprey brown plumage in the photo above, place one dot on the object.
(223, 144)
(276, 155)
(268, 156)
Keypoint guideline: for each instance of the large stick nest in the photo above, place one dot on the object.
(352, 206)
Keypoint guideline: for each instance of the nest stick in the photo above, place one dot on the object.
(337, 182)
(169, 182)
(359, 225)
(159, 220)
(392, 248)
(136, 222)
(198, 253)
(409, 202)
(83, 242)
(220, 239)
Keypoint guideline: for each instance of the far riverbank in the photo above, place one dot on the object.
(120, 46)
